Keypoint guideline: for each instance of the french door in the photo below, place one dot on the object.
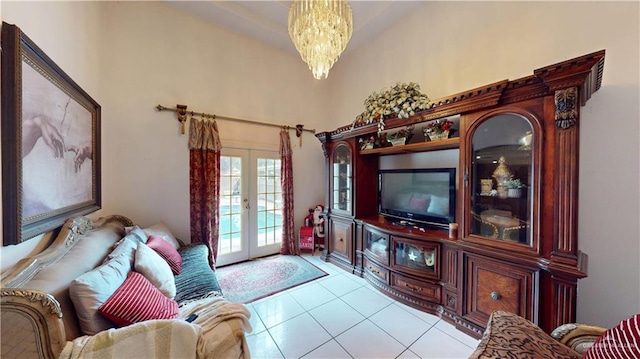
(250, 205)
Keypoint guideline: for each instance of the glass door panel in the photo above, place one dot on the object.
(268, 228)
(233, 230)
(377, 245)
(342, 179)
(250, 205)
(418, 257)
(501, 179)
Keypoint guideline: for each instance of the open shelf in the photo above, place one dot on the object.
(445, 144)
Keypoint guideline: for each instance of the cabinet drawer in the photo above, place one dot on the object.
(425, 290)
(376, 270)
(341, 238)
(493, 285)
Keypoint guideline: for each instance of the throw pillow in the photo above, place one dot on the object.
(511, 336)
(621, 341)
(161, 230)
(197, 279)
(125, 247)
(155, 269)
(137, 300)
(93, 288)
(167, 252)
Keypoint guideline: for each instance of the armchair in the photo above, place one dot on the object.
(511, 336)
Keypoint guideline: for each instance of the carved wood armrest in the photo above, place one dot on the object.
(33, 323)
(578, 337)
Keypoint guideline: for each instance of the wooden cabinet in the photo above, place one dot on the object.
(516, 245)
(341, 239)
(492, 285)
(351, 192)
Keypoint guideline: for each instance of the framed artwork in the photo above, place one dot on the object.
(50, 142)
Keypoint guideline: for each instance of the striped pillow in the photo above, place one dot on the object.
(137, 300)
(166, 251)
(621, 341)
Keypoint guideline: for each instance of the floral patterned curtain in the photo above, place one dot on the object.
(289, 243)
(204, 183)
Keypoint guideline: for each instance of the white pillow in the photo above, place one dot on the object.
(93, 288)
(161, 230)
(155, 269)
(126, 247)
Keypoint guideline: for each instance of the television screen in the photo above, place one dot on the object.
(418, 196)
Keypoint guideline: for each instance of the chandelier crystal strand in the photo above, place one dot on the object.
(320, 30)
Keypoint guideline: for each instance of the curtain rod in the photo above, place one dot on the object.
(181, 112)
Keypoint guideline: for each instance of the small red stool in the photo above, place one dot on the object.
(306, 239)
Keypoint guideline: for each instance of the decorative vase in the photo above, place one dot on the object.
(429, 259)
(437, 136)
(502, 173)
(398, 141)
(367, 146)
(514, 192)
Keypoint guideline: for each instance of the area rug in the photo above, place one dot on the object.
(249, 281)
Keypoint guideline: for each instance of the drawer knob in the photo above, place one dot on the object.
(496, 296)
(340, 239)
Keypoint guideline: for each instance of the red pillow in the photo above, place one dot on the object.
(621, 341)
(137, 300)
(166, 251)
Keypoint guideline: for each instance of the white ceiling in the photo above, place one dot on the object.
(266, 20)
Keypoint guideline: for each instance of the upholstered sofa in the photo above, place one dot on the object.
(510, 336)
(110, 288)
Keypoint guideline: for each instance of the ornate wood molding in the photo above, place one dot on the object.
(47, 301)
(44, 333)
(566, 107)
(467, 101)
(583, 73)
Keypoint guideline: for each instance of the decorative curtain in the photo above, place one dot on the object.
(204, 183)
(289, 243)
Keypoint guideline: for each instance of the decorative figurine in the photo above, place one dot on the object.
(502, 174)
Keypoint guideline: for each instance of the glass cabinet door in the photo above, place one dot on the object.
(377, 245)
(341, 173)
(501, 179)
(418, 257)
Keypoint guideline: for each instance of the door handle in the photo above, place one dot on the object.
(246, 204)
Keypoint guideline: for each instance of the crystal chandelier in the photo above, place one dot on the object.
(320, 30)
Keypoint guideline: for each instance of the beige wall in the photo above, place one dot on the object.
(448, 47)
(74, 46)
(132, 56)
(158, 55)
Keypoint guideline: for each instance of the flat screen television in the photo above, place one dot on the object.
(418, 196)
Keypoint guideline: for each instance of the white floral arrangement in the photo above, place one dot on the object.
(401, 100)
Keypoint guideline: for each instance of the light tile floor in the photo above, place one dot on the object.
(319, 320)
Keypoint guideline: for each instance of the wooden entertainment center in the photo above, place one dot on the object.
(514, 249)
